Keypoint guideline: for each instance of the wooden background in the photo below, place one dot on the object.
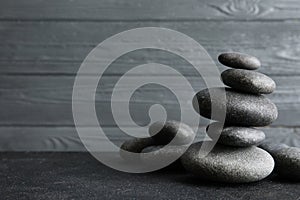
(42, 44)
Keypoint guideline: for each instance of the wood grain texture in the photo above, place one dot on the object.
(60, 47)
(139, 10)
(42, 44)
(66, 138)
(47, 100)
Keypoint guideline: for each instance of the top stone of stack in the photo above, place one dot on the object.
(242, 78)
(239, 61)
(245, 104)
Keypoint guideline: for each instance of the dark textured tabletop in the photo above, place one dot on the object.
(80, 176)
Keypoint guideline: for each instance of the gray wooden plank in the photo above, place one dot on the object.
(60, 47)
(149, 10)
(60, 138)
(46, 100)
(66, 138)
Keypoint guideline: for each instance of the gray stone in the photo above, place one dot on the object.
(163, 151)
(229, 164)
(239, 61)
(238, 136)
(287, 160)
(271, 147)
(135, 145)
(248, 81)
(164, 133)
(242, 109)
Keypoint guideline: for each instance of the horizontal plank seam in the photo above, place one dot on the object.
(105, 126)
(54, 74)
(146, 20)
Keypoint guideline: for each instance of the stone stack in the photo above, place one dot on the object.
(236, 157)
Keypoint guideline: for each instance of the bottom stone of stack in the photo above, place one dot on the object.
(229, 164)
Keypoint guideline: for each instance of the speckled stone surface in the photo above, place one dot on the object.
(164, 133)
(135, 145)
(287, 160)
(229, 164)
(239, 61)
(248, 81)
(238, 136)
(241, 109)
(271, 146)
(161, 134)
(163, 152)
(166, 149)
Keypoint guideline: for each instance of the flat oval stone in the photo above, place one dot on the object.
(164, 152)
(229, 164)
(238, 136)
(135, 145)
(239, 61)
(287, 160)
(242, 109)
(271, 146)
(248, 81)
(164, 133)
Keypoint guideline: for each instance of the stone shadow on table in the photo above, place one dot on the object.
(179, 174)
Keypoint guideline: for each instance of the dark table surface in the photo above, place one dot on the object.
(80, 176)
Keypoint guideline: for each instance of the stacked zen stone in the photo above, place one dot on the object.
(236, 157)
